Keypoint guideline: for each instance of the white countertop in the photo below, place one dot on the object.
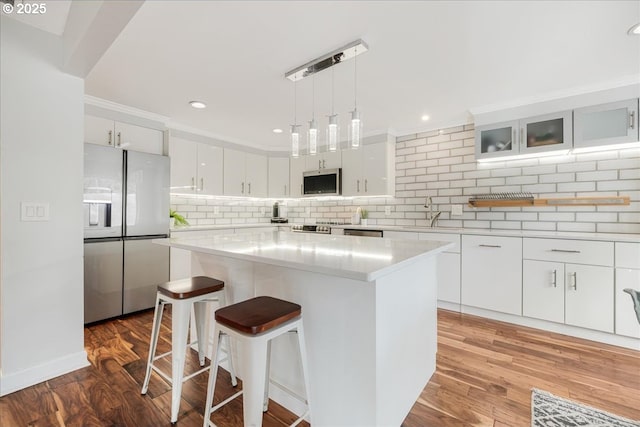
(360, 258)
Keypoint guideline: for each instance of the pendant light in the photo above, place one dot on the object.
(295, 135)
(332, 127)
(355, 126)
(312, 135)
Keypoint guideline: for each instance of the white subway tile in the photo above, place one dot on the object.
(629, 217)
(427, 163)
(418, 156)
(577, 186)
(621, 185)
(578, 167)
(477, 224)
(586, 227)
(477, 174)
(557, 177)
(463, 167)
(449, 145)
(426, 148)
(490, 181)
(450, 192)
(597, 176)
(506, 172)
(449, 160)
(535, 225)
(438, 138)
(538, 170)
(452, 129)
(522, 216)
(519, 180)
(506, 225)
(618, 228)
(438, 184)
(415, 142)
(405, 179)
(619, 164)
(406, 137)
(405, 151)
(416, 171)
(506, 189)
(462, 151)
(427, 134)
(438, 154)
(416, 186)
(495, 216)
(556, 216)
(438, 169)
(630, 174)
(405, 165)
(464, 183)
(447, 176)
(597, 216)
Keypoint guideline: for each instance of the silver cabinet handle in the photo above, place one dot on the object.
(365, 186)
(285, 189)
(242, 191)
(249, 185)
(554, 280)
(201, 184)
(319, 164)
(358, 185)
(565, 251)
(323, 164)
(522, 135)
(575, 280)
(632, 120)
(110, 137)
(490, 246)
(301, 191)
(193, 183)
(513, 144)
(119, 139)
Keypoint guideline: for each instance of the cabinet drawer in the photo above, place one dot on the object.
(574, 251)
(628, 255)
(444, 237)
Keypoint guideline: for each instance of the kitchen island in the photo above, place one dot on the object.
(369, 310)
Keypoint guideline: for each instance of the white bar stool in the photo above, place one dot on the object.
(183, 295)
(255, 322)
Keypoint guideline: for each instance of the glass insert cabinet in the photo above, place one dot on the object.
(531, 135)
(606, 124)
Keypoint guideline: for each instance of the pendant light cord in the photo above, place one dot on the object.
(355, 79)
(333, 72)
(295, 103)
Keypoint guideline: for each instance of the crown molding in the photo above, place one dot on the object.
(125, 109)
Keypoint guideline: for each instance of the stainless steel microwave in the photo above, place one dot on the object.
(323, 182)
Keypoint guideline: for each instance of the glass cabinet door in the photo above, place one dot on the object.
(546, 133)
(606, 124)
(496, 140)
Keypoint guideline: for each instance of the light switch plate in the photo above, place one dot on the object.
(387, 210)
(456, 210)
(34, 211)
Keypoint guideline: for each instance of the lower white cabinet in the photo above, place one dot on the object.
(492, 273)
(448, 267)
(627, 277)
(576, 293)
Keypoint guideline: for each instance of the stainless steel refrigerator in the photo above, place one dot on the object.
(126, 204)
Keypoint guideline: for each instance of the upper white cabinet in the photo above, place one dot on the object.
(606, 124)
(324, 160)
(296, 168)
(101, 131)
(196, 168)
(492, 273)
(530, 135)
(279, 177)
(245, 174)
(369, 170)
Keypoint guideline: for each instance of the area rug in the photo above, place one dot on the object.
(548, 410)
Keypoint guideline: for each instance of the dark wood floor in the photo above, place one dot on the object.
(485, 371)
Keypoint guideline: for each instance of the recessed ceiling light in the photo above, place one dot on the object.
(635, 30)
(198, 104)
(425, 118)
(277, 130)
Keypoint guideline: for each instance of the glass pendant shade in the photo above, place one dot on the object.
(313, 137)
(295, 141)
(355, 129)
(333, 133)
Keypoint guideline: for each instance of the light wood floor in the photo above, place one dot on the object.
(485, 371)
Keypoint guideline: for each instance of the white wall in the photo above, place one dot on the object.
(41, 287)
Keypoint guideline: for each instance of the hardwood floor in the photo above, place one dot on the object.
(485, 370)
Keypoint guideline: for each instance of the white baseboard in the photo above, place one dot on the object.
(46, 371)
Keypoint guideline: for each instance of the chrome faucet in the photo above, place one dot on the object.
(432, 216)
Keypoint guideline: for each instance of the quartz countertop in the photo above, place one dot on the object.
(359, 258)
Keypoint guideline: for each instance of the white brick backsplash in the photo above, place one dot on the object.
(629, 152)
(619, 164)
(621, 185)
(438, 138)
(462, 151)
(426, 148)
(490, 215)
(463, 167)
(405, 165)
(506, 189)
(477, 174)
(506, 225)
(556, 216)
(577, 167)
(522, 216)
(405, 151)
(449, 160)
(577, 186)
(519, 180)
(414, 157)
(416, 171)
(539, 188)
(405, 179)
(438, 170)
(597, 176)
(414, 143)
(587, 227)
(450, 192)
(477, 224)
(438, 184)
(490, 181)
(630, 174)
(416, 186)
(506, 172)
(629, 217)
(449, 176)
(597, 216)
(438, 154)
(618, 228)
(557, 177)
(535, 225)
(538, 170)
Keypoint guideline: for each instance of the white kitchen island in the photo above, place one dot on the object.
(369, 310)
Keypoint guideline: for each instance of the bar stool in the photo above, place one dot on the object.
(183, 295)
(255, 322)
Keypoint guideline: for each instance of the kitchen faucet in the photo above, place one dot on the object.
(432, 217)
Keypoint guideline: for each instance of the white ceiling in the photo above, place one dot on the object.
(425, 57)
(51, 20)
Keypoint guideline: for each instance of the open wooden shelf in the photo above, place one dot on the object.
(562, 201)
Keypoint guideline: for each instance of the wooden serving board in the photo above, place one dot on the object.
(562, 201)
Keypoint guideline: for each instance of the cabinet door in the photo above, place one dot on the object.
(375, 170)
(138, 138)
(332, 159)
(449, 277)
(278, 176)
(209, 170)
(497, 140)
(543, 290)
(256, 175)
(98, 131)
(183, 155)
(352, 184)
(546, 133)
(589, 297)
(313, 162)
(492, 273)
(626, 321)
(606, 124)
(296, 168)
(234, 183)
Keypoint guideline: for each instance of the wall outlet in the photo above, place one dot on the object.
(456, 210)
(387, 210)
(34, 211)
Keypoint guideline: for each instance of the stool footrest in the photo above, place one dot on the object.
(227, 400)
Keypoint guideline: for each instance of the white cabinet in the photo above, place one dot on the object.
(448, 267)
(549, 132)
(627, 276)
(369, 170)
(569, 281)
(101, 131)
(492, 273)
(324, 160)
(196, 168)
(606, 124)
(279, 177)
(245, 174)
(296, 169)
